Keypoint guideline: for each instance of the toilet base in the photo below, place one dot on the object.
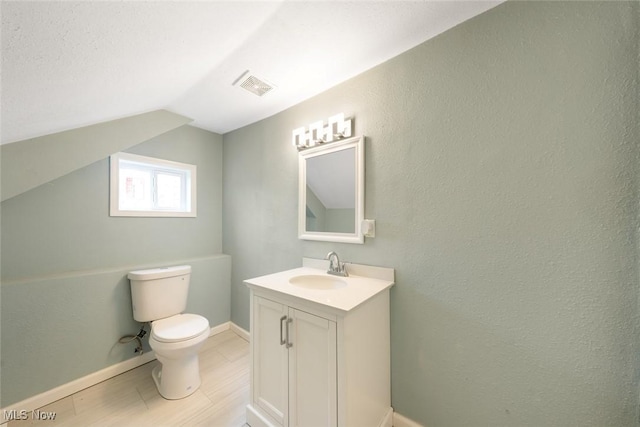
(177, 379)
(178, 374)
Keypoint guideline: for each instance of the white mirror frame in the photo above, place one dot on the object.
(356, 142)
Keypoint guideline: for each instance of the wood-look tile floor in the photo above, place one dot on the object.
(131, 398)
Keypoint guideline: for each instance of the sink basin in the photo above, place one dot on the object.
(313, 281)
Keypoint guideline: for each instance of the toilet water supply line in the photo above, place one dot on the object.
(138, 338)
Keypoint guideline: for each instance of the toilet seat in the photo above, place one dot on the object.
(180, 327)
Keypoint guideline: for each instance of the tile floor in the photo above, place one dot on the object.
(131, 399)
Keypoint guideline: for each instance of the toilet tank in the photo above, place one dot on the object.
(159, 292)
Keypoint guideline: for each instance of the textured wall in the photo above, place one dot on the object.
(64, 225)
(65, 296)
(501, 169)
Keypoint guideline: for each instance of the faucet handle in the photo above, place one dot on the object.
(342, 269)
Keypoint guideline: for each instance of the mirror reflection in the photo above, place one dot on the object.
(331, 192)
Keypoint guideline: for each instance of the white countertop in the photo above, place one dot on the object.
(358, 290)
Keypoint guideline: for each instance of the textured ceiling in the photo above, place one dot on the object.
(68, 64)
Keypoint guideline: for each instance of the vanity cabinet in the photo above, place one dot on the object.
(314, 365)
(294, 365)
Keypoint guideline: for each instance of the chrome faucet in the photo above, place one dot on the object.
(336, 267)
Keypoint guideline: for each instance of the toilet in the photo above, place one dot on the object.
(159, 296)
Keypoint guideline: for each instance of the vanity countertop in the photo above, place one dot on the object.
(358, 289)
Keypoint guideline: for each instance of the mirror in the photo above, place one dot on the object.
(331, 192)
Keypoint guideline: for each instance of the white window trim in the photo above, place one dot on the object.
(160, 163)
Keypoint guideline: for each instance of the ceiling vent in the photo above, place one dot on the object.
(253, 84)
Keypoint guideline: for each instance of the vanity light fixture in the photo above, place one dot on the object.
(317, 133)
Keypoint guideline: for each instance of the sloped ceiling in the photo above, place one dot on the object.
(68, 64)
(36, 161)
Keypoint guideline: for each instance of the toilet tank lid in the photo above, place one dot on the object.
(159, 273)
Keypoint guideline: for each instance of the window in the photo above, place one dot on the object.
(145, 186)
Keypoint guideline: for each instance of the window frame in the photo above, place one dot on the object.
(155, 165)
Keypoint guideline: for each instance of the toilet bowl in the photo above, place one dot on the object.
(176, 341)
(159, 296)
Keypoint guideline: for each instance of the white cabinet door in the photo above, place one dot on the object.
(270, 359)
(312, 371)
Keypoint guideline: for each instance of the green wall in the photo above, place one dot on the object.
(65, 297)
(502, 171)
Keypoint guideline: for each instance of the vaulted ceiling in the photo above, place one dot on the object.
(67, 64)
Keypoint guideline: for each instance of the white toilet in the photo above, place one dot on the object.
(159, 296)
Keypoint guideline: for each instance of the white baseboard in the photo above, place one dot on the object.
(60, 392)
(402, 421)
(242, 333)
(215, 330)
(50, 396)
